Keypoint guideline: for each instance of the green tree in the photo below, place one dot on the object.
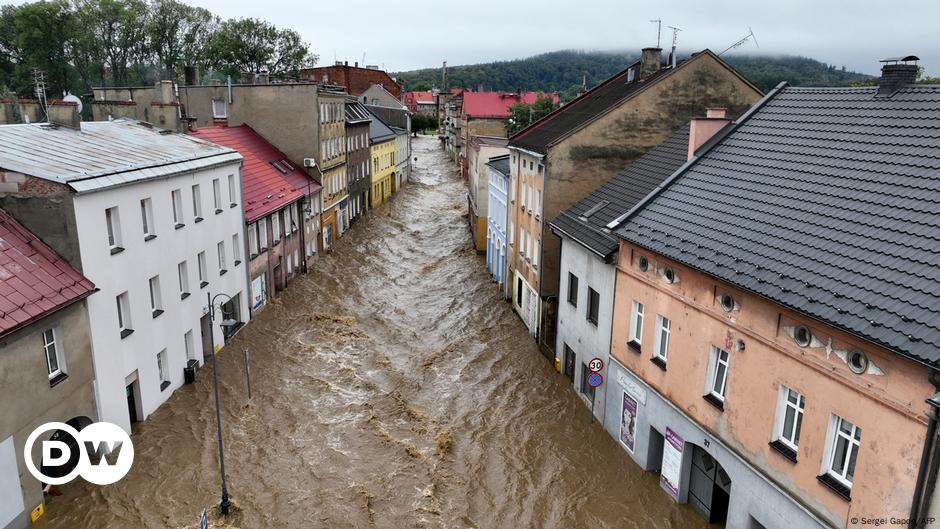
(420, 86)
(114, 36)
(178, 34)
(252, 45)
(521, 115)
(43, 32)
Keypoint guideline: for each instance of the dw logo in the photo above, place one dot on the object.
(101, 453)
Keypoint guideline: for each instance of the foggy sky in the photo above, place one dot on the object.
(409, 35)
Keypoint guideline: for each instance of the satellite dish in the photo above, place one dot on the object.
(69, 98)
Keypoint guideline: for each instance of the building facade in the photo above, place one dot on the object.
(133, 211)
(593, 137)
(46, 362)
(382, 151)
(332, 165)
(482, 149)
(358, 158)
(497, 170)
(276, 194)
(767, 359)
(402, 157)
(354, 79)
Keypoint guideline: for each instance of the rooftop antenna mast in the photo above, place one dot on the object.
(740, 42)
(675, 43)
(39, 85)
(659, 29)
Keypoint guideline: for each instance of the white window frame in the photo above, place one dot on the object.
(832, 439)
(57, 352)
(124, 312)
(112, 219)
(146, 216)
(784, 405)
(197, 202)
(636, 322)
(236, 248)
(162, 367)
(262, 233)
(276, 227)
(201, 265)
(220, 248)
(718, 364)
(156, 299)
(219, 109)
(176, 197)
(182, 272)
(188, 345)
(217, 194)
(232, 193)
(663, 330)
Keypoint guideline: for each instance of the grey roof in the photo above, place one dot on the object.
(501, 164)
(378, 130)
(586, 221)
(356, 112)
(105, 154)
(399, 131)
(825, 200)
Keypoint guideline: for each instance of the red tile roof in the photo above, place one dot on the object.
(496, 104)
(422, 97)
(34, 280)
(264, 189)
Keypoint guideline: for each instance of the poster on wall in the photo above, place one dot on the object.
(258, 291)
(672, 463)
(628, 422)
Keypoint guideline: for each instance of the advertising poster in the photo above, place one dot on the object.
(672, 463)
(628, 422)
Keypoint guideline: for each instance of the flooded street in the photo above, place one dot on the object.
(391, 388)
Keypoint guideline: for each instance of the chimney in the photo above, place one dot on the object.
(263, 77)
(702, 129)
(356, 64)
(164, 94)
(650, 61)
(65, 114)
(896, 73)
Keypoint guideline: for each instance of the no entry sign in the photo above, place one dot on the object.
(595, 379)
(595, 365)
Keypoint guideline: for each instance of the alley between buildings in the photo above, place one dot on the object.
(391, 387)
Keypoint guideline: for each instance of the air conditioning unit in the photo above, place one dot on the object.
(310, 162)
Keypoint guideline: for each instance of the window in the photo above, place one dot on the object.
(221, 249)
(182, 270)
(586, 389)
(263, 233)
(114, 229)
(293, 218)
(146, 217)
(163, 370)
(803, 336)
(236, 250)
(201, 260)
(789, 420)
(219, 110)
(661, 345)
(188, 344)
(636, 325)
(124, 315)
(197, 204)
(177, 198)
(55, 362)
(252, 240)
(276, 227)
(845, 440)
(217, 195)
(718, 374)
(232, 193)
(156, 303)
(594, 305)
(572, 289)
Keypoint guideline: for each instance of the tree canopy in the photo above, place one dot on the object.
(80, 44)
(521, 115)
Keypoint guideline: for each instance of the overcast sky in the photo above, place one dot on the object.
(409, 35)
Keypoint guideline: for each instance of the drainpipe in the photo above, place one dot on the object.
(929, 462)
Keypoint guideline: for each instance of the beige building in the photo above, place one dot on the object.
(335, 216)
(45, 359)
(559, 159)
(482, 149)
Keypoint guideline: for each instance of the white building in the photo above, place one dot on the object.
(498, 174)
(154, 219)
(587, 270)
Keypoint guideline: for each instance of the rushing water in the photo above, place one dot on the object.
(391, 388)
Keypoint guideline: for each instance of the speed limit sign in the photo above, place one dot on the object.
(595, 365)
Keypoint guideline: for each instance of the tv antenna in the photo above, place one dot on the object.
(740, 42)
(675, 42)
(39, 86)
(659, 29)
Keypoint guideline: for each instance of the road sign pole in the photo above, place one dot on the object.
(248, 370)
(593, 396)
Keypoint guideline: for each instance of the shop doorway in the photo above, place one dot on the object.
(709, 487)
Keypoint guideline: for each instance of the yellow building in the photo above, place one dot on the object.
(382, 140)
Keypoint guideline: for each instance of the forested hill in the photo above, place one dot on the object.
(562, 70)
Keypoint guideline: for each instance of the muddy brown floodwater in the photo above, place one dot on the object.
(391, 388)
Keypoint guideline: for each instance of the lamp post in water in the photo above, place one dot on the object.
(225, 503)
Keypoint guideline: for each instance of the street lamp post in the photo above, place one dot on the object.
(225, 504)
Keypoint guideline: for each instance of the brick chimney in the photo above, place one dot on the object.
(896, 73)
(702, 129)
(65, 114)
(164, 93)
(650, 61)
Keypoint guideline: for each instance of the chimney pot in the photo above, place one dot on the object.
(716, 112)
(650, 61)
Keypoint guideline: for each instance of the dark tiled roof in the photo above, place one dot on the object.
(619, 194)
(501, 164)
(825, 200)
(34, 280)
(593, 103)
(378, 130)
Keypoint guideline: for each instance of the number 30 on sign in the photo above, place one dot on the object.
(595, 365)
